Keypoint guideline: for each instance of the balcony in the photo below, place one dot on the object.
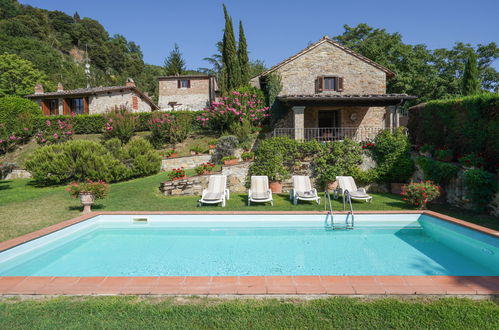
(329, 134)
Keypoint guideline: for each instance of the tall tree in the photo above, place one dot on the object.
(174, 63)
(242, 56)
(18, 76)
(229, 55)
(470, 85)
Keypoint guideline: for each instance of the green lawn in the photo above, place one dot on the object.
(25, 207)
(204, 313)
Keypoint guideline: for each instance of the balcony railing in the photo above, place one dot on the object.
(326, 134)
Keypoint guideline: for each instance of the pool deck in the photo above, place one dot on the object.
(247, 285)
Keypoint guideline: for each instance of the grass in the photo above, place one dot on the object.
(25, 208)
(206, 313)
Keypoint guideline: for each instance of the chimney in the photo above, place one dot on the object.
(130, 83)
(39, 89)
(60, 88)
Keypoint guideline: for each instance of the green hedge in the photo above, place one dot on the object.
(465, 125)
(93, 124)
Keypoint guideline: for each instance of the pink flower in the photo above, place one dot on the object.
(12, 137)
(48, 122)
(25, 129)
(1, 141)
(56, 136)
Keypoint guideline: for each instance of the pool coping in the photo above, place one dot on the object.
(246, 285)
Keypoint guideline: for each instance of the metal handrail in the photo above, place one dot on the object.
(348, 197)
(330, 213)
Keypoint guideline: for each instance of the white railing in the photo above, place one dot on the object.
(325, 134)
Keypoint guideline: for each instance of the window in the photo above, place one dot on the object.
(135, 103)
(53, 106)
(76, 106)
(328, 118)
(329, 83)
(184, 83)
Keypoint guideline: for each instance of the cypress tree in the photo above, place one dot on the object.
(470, 81)
(174, 63)
(229, 55)
(242, 55)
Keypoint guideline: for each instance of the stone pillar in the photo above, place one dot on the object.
(299, 122)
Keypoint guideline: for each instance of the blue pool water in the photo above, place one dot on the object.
(214, 245)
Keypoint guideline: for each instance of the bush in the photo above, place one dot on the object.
(120, 123)
(247, 155)
(443, 154)
(271, 166)
(12, 108)
(204, 168)
(436, 171)
(466, 125)
(169, 129)
(226, 146)
(419, 194)
(480, 187)
(242, 130)
(82, 124)
(55, 132)
(81, 160)
(176, 174)
(98, 189)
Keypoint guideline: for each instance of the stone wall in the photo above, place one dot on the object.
(103, 102)
(236, 176)
(197, 97)
(366, 116)
(185, 162)
(192, 186)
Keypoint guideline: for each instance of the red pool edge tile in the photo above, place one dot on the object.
(247, 285)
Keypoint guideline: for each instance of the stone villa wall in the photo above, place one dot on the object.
(185, 162)
(102, 103)
(197, 97)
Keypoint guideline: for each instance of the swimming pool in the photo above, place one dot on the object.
(255, 245)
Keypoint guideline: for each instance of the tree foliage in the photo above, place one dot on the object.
(242, 56)
(174, 63)
(231, 68)
(470, 82)
(18, 76)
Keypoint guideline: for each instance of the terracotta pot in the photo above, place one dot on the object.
(174, 155)
(331, 186)
(87, 199)
(230, 162)
(276, 187)
(213, 146)
(180, 178)
(396, 188)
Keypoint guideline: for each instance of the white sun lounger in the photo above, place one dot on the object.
(302, 190)
(260, 191)
(217, 191)
(348, 183)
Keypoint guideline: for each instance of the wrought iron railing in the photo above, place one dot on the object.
(325, 134)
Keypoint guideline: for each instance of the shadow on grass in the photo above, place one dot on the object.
(95, 207)
(4, 185)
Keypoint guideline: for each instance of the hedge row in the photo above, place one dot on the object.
(93, 124)
(464, 125)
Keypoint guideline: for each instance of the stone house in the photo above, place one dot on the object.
(187, 92)
(92, 100)
(329, 92)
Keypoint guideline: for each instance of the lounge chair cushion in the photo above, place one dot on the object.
(213, 196)
(260, 195)
(306, 194)
(359, 194)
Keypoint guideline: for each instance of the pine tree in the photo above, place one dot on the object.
(470, 82)
(229, 55)
(174, 63)
(242, 55)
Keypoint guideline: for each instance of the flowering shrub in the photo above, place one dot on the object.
(55, 132)
(204, 168)
(98, 189)
(419, 194)
(472, 160)
(167, 128)
(17, 133)
(234, 108)
(368, 145)
(120, 123)
(443, 154)
(176, 174)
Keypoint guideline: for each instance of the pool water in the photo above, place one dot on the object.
(200, 245)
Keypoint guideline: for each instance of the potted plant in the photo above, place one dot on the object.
(443, 154)
(419, 194)
(176, 174)
(88, 192)
(247, 156)
(212, 144)
(204, 168)
(173, 153)
(229, 160)
(196, 150)
(273, 167)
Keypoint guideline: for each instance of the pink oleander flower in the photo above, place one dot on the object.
(56, 136)
(26, 129)
(48, 122)
(12, 137)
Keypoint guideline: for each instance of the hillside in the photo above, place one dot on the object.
(56, 42)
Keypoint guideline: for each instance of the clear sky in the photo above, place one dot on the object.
(276, 29)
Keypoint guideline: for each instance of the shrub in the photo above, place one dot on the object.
(204, 168)
(14, 107)
(81, 160)
(242, 130)
(196, 149)
(55, 132)
(472, 160)
(480, 187)
(234, 109)
(247, 155)
(337, 159)
(120, 123)
(392, 155)
(226, 146)
(168, 129)
(419, 194)
(176, 174)
(228, 158)
(443, 154)
(271, 166)
(98, 189)
(436, 171)
(466, 125)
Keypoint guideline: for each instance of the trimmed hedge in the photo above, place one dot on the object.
(465, 125)
(93, 124)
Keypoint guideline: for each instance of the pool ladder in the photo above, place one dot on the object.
(349, 220)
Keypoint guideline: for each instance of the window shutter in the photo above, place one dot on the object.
(320, 84)
(179, 84)
(340, 84)
(189, 83)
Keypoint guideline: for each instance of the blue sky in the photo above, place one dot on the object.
(276, 29)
